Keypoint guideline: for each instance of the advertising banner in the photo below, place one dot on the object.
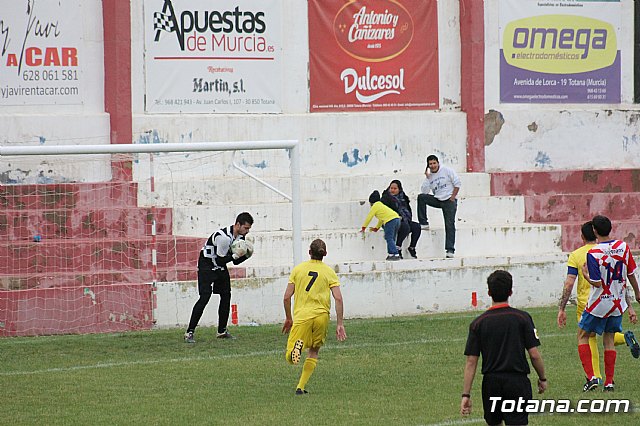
(560, 51)
(373, 55)
(41, 52)
(207, 56)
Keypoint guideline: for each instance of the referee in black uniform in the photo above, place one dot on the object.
(502, 334)
(213, 275)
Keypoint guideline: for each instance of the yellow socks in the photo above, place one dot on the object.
(595, 356)
(307, 371)
(618, 339)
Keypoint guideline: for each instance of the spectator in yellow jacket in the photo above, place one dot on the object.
(388, 219)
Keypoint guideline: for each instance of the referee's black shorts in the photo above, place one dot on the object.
(509, 386)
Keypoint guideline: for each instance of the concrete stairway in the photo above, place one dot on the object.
(570, 198)
(89, 231)
(487, 226)
(492, 234)
(95, 239)
(83, 222)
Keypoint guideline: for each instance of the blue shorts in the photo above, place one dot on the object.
(594, 324)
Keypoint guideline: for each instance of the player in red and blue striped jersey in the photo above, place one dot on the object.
(608, 267)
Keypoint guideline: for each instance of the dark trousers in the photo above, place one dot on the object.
(407, 228)
(212, 282)
(449, 209)
(511, 386)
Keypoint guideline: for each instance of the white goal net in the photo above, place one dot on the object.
(81, 255)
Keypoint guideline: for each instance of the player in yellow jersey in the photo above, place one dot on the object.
(577, 259)
(312, 282)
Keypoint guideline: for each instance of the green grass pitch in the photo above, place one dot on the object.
(400, 371)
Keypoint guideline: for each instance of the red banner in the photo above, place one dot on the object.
(373, 55)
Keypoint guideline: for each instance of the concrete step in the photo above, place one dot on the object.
(97, 278)
(565, 182)
(371, 289)
(380, 289)
(202, 220)
(56, 263)
(243, 190)
(582, 207)
(64, 310)
(68, 195)
(107, 222)
(626, 230)
(95, 262)
(275, 247)
(83, 255)
(408, 264)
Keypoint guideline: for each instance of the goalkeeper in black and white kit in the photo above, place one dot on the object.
(213, 275)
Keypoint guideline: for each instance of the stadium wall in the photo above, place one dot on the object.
(47, 122)
(527, 137)
(544, 137)
(518, 138)
(442, 287)
(341, 143)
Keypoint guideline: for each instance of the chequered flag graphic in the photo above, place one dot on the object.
(162, 21)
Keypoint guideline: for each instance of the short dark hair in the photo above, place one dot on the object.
(374, 197)
(500, 284)
(432, 157)
(244, 218)
(602, 225)
(317, 249)
(587, 231)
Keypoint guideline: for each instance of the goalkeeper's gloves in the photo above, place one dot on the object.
(239, 260)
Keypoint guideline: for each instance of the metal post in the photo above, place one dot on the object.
(296, 204)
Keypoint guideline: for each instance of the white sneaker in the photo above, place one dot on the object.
(449, 255)
(424, 227)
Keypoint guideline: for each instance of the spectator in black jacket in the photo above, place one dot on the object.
(395, 198)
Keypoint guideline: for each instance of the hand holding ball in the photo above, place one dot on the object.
(241, 248)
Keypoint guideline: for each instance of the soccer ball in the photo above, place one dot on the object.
(241, 248)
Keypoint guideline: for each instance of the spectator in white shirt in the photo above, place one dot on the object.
(444, 183)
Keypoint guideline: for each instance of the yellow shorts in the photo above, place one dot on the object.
(580, 310)
(313, 332)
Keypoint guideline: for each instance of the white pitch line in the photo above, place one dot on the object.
(245, 355)
(457, 422)
(145, 362)
(531, 415)
(43, 339)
